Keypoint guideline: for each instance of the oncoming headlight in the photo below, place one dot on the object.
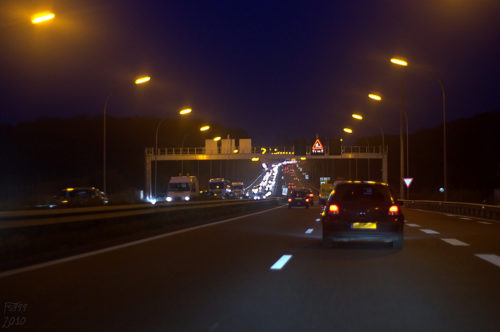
(187, 198)
(169, 199)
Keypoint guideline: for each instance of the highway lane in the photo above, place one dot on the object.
(218, 278)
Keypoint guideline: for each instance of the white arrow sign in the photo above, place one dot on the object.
(407, 181)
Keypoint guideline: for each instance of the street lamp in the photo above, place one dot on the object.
(399, 62)
(142, 80)
(203, 129)
(218, 138)
(184, 111)
(139, 80)
(42, 17)
(378, 98)
(375, 96)
(348, 130)
(360, 117)
(404, 63)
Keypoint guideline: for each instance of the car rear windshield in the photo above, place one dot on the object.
(357, 191)
(299, 193)
(82, 193)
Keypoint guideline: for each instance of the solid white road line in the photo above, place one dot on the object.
(455, 242)
(484, 222)
(309, 231)
(450, 215)
(465, 218)
(125, 245)
(429, 231)
(413, 225)
(493, 259)
(281, 262)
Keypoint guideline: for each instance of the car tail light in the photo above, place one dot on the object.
(289, 200)
(333, 209)
(394, 210)
(311, 195)
(307, 200)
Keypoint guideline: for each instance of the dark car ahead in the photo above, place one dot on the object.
(82, 196)
(365, 211)
(299, 197)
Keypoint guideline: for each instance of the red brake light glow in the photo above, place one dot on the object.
(307, 200)
(311, 195)
(333, 209)
(289, 200)
(394, 210)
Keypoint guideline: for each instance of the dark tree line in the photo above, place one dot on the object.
(41, 157)
(473, 149)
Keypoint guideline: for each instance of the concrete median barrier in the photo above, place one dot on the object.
(40, 239)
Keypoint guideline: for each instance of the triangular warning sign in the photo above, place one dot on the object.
(317, 145)
(407, 181)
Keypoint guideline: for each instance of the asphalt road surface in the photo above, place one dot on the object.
(219, 278)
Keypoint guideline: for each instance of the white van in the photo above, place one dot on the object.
(182, 188)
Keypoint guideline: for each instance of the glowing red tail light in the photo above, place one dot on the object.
(311, 195)
(333, 209)
(394, 210)
(307, 200)
(289, 200)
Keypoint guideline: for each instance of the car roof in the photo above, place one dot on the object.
(360, 182)
(80, 188)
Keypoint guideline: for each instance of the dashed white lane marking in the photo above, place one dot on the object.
(309, 231)
(493, 259)
(126, 245)
(413, 225)
(465, 218)
(450, 215)
(429, 231)
(484, 222)
(281, 262)
(455, 242)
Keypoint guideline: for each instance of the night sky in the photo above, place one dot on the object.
(272, 68)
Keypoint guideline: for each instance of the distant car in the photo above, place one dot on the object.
(365, 211)
(299, 198)
(207, 195)
(311, 198)
(80, 196)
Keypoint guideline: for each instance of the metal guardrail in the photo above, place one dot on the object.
(460, 208)
(27, 218)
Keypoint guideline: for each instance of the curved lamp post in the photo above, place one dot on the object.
(203, 129)
(360, 117)
(182, 112)
(428, 69)
(138, 81)
(377, 97)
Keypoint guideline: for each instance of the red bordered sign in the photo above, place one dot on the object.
(318, 147)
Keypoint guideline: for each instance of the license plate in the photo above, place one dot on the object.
(364, 225)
